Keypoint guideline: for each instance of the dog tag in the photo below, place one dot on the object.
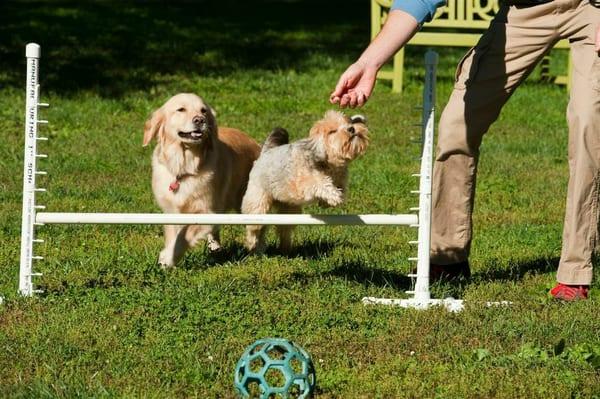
(174, 186)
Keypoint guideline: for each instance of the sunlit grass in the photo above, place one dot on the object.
(112, 324)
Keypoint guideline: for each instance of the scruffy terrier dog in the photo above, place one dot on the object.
(315, 169)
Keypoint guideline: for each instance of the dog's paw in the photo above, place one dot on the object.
(165, 265)
(336, 198)
(255, 247)
(213, 245)
(165, 259)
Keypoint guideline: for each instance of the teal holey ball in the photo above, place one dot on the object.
(275, 367)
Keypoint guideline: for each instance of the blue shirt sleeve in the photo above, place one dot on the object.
(422, 10)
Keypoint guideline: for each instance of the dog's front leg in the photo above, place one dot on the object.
(175, 245)
(328, 192)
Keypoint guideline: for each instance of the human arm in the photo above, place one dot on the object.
(356, 84)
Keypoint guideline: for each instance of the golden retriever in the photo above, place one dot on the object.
(196, 168)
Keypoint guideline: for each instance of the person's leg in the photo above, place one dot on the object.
(580, 232)
(485, 79)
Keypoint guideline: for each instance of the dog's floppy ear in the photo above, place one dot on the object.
(321, 128)
(153, 125)
(330, 123)
(316, 131)
(212, 110)
(318, 135)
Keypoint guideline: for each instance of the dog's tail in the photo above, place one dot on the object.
(279, 136)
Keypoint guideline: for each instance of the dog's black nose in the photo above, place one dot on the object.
(351, 130)
(198, 120)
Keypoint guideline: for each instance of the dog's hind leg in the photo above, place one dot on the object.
(256, 201)
(255, 238)
(285, 231)
(213, 240)
(209, 233)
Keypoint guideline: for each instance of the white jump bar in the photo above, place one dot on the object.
(219, 218)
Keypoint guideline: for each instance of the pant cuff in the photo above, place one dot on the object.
(575, 277)
(447, 258)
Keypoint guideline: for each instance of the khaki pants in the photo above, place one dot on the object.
(517, 39)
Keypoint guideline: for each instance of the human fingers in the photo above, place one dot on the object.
(339, 88)
(361, 99)
(598, 39)
(349, 79)
(344, 82)
(353, 100)
(344, 101)
(367, 83)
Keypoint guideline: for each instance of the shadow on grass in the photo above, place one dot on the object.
(107, 278)
(101, 281)
(368, 276)
(515, 271)
(307, 250)
(115, 47)
(236, 252)
(232, 252)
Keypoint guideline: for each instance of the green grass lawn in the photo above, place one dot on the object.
(111, 323)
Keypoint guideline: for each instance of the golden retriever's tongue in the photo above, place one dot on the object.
(196, 135)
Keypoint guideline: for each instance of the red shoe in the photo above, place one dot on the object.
(570, 292)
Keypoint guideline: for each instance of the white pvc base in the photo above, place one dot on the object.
(451, 304)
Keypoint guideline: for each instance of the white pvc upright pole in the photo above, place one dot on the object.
(421, 292)
(421, 296)
(32, 53)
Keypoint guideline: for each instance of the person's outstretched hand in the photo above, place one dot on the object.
(354, 86)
